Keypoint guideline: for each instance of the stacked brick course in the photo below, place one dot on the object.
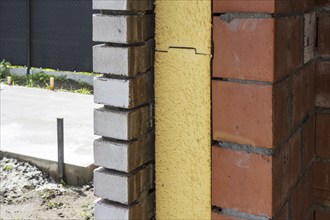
(270, 158)
(321, 166)
(125, 152)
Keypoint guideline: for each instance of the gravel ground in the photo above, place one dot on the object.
(27, 193)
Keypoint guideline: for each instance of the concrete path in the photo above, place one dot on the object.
(28, 124)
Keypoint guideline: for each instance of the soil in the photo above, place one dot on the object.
(28, 193)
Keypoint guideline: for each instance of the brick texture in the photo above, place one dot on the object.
(124, 153)
(322, 142)
(271, 109)
(321, 166)
(309, 36)
(241, 116)
(324, 33)
(321, 2)
(284, 213)
(301, 199)
(122, 125)
(130, 93)
(123, 188)
(288, 40)
(122, 29)
(105, 209)
(302, 5)
(269, 6)
(322, 214)
(320, 182)
(122, 60)
(237, 175)
(308, 142)
(123, 5)
(124, 156)
(322, 82)
(263, 6)
(233, 43)
(303, 93)
(282, 124)
(286, 167)
(245, 49)
(241, 112)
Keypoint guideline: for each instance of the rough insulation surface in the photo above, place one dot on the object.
(182, 94)
(184, 24)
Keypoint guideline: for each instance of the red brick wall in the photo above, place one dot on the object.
(321, 166)
(271, 109)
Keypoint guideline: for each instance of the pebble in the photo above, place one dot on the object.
(18, 177)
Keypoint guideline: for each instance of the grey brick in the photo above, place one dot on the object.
(123, 156)
(123, 60)
(128, 5)
(123, 125)
(123, 93)
(121, 187)
(144, 209)
(125, 29)
(309, 36)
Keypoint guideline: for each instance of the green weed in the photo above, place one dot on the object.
(54, 205)
(8, 168)
(83, 91)
(41, 80)
(4, 69)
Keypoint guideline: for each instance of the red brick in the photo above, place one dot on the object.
(242, 181)
(255, 183)
(281, 118)
(257, 49)
(241, 112)
(219, 216)
(284, 214)
(321, 2)
(286, 169)
(324, 33)
(310, 215)
(269, 6)
(321, 182)
(322, 214)
(322, 84)
(289, 51)
(301, 199)
(308, 4)
(302, 5)
(244, 49)
(322, 136)
(321, 197)
(303, 94)
(266, 6)
(308, 139)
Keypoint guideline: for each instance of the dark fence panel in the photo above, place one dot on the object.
(61, 34)
(13, 31)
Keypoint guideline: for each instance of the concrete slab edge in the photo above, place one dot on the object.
(73, 174)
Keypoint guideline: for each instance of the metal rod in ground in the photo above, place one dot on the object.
(60, 148)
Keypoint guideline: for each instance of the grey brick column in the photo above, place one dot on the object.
(125, 151)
